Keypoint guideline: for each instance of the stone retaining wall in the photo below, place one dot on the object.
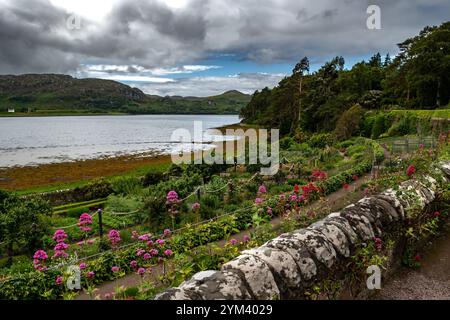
(284, 267)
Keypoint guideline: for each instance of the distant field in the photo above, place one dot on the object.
(441, 113)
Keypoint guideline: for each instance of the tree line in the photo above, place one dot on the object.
(332, 97)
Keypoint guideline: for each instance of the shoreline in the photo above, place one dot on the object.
(87, 114)
(71, 174)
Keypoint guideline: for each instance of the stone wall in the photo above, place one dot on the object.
(284, 267)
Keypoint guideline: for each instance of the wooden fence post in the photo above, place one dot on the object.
(100, 223)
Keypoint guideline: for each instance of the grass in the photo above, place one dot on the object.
(439, 113)
(77, 205)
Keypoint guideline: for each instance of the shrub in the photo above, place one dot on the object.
(152, 178)
(349, 123)
(321, 140)
(76, 212)
(97, 189)
(126, 185)
(379, 126)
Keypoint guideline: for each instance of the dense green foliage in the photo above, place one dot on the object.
(418, 78)
(22, 223)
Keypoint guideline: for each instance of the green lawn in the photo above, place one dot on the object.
(440, 113)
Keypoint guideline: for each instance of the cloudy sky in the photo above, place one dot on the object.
(199, 47)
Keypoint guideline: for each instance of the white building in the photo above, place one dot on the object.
(11, 110)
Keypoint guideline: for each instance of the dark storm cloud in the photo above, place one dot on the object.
(34, 36)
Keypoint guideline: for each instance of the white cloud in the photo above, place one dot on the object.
(210, 86)
(129, 78)
(127, 69)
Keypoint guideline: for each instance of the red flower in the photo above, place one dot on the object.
(318, 175)
(411, 170)
(296, 189)
(418, 257)
(355, 178)
(346, 186)
(437, 214)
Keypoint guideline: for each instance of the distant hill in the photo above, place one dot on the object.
(63, 94)
(230, 102)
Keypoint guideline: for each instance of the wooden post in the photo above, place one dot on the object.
(100, 223)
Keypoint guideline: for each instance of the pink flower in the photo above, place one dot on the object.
(160, 242)
(114, 237)
(196, 206)
(167, 232)
(84, 222)
(60, 236)
(378, 243)
(154, 252)
(60, 254)
(115, 269)
(366, 191)
(168, 252)
(150, 243)
(59, 280)
(134, 264)
(83, 266)
(258, 201)
(233, 242)
(269, 211)
(107, 296)
(147, 256)
(437, 214)
(141, 271)
(91, 274)
(90, 242)
(134, 235)
(39, 260)
(144, 237)
(246, 238)
(80, 243)
(293, 198)
(40, 254)
(140, 252)
(61, 246)
(262, 189)
(172, 198)
(411, 170)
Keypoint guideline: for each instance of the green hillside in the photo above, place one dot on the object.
(53, 94)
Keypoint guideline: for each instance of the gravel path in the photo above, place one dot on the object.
(430, 282)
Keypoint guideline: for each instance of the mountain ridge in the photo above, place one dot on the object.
(37, 92)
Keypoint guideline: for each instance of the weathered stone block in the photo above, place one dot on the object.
(317, 244)
(333, 235)
(299, 253)
(285, 270)
(217, 286)
(359, 222)
(257, 274)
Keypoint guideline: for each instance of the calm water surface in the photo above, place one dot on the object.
(40, 140)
